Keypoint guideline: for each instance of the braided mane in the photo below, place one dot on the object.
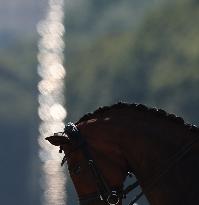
(140, 107)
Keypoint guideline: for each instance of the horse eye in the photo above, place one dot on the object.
(75, 170)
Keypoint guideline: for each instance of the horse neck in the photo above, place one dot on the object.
(148, 144)
(145, 139)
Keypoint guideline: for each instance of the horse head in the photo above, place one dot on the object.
(96, 182)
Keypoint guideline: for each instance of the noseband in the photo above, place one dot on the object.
(113, 195)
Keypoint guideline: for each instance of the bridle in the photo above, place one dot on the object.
(105, 193)
(113, 195)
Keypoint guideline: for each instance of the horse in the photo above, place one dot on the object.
(159, 148)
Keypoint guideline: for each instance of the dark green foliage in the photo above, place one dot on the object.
(18, 81)
(156, 65)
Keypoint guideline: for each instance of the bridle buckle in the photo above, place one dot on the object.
(113, 198)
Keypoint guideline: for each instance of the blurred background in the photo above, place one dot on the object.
(144, 51)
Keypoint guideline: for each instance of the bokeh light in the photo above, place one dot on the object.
(51, 109)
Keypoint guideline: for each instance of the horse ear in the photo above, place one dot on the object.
(57, 140)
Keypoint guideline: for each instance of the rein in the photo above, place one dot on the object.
(105, 193)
